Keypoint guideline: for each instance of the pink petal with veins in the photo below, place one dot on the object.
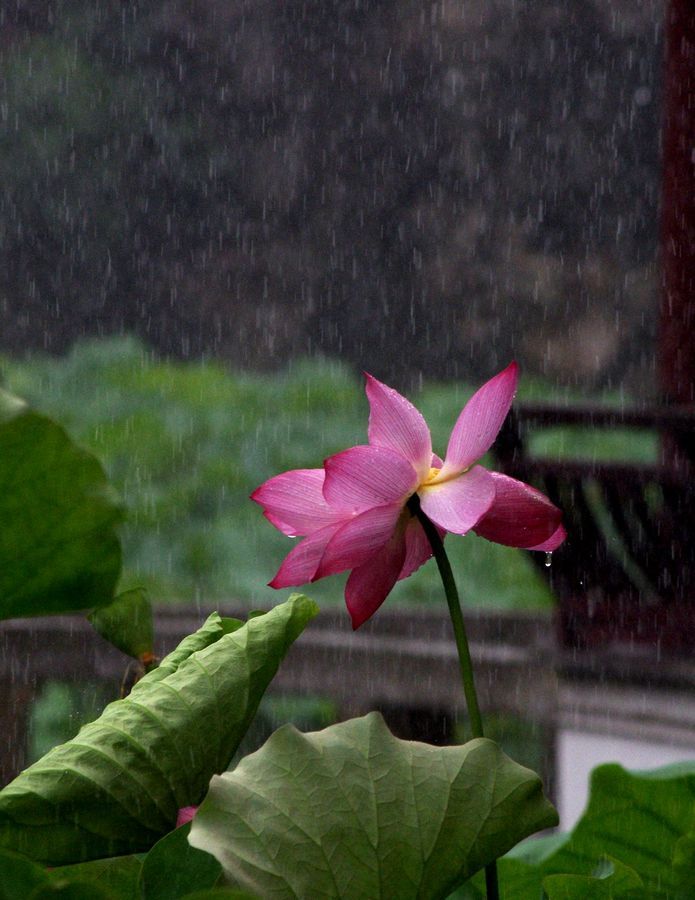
(294, 503)
(418, 548)
(287, 530)
(363, 477)
(553, 542)
(520, 516)
(358, 539)
(480, 421)
(458, 504)
(395, 423)
(370, 584)
(300, 564)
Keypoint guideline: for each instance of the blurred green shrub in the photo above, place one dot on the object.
(186, 443)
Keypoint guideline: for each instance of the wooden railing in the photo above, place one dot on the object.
(626, 574)
(403, 663)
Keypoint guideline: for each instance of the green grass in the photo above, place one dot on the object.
(185, 444)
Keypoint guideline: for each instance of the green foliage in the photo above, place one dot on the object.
(220, 893)
(173, 868)
(611, 880)
(185, 444)
(362, 810)
(127, 623)
(639, 820)
(118, 874)
(684, 861)
(72, 890)
(58, 546)
(147, 756)
(19, 876)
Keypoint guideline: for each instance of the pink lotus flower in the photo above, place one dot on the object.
(352, 513)
(185, 815)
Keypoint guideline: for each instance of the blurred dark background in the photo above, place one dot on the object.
(414, 187)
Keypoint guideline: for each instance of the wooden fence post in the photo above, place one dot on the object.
(677, 316)
(15, 712)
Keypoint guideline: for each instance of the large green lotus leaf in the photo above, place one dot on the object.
(73, 890)
(59, 550)
(117, 786)
(684, 861)
(638, 819)
(220, 893)
(173, 868)
(213, 629)
(353, 812)
(684, 865)
(19, 876)
(612, 880)
(117, 874)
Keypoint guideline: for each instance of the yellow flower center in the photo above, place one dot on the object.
(431, 475)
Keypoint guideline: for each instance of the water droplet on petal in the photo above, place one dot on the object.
(548, 560)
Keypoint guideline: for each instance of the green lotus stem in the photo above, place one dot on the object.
(464, 653)
(452, 599)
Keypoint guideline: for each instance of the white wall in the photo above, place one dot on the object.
(578, 752)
